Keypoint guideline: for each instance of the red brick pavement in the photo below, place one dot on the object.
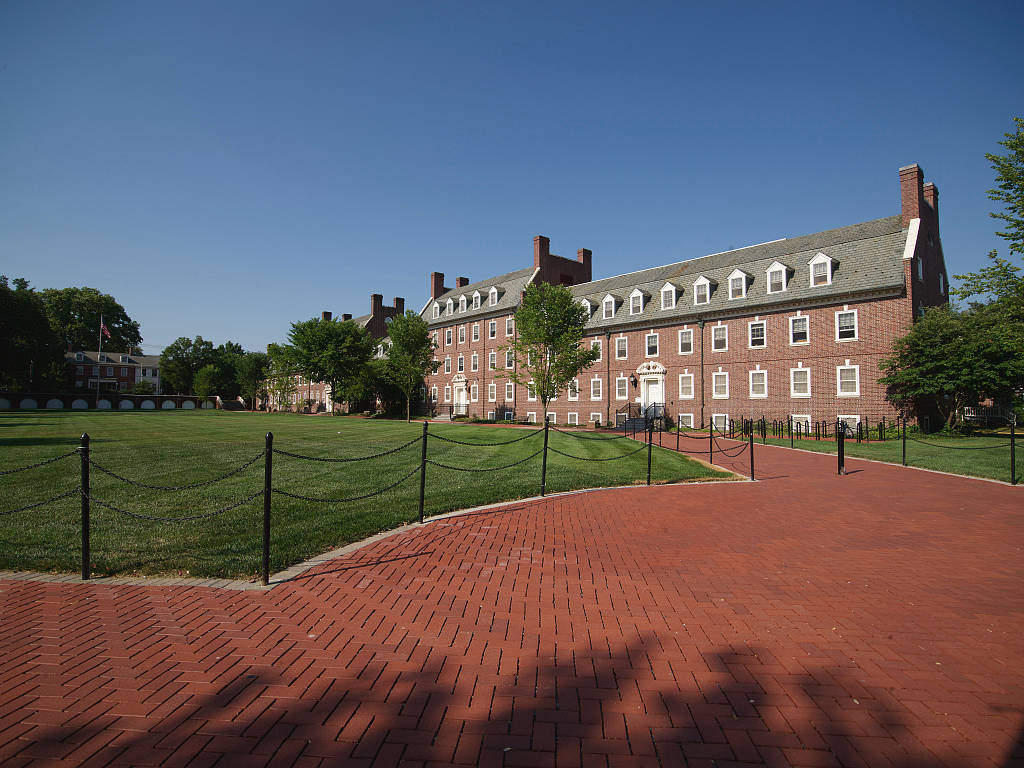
(807, 620)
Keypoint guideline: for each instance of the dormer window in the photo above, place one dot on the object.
(609, 307)
(702, 291)
(636, 302)
(586, 306)
(476, 299)
(777, 277)
(821, 270)
(737, 284)
(492, 296)
(462, 303)
(668, 296)
(450, 307)
(437, 310)
(79, 357)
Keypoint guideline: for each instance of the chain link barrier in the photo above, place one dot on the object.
(72, 492)
(187, 518)
(487, 445)
(315, 500)
(486, 469)
(587, 458)
(341, 460)
(39, 464)
(138, 484)
(579, 436)
(958, 447)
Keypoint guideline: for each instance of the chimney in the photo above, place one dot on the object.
(541, 250)
(911, 192)
(583, 256)
(436, 284)
(399, 305)
(325, 316)
(461, 282)
(347, 316)
(376, 304)
(931, 196)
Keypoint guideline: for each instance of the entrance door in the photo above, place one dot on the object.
(653, 391)
(461, 401)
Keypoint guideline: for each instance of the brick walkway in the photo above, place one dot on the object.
(875, 619)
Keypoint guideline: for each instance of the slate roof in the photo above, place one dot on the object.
(509, 287)
(113, 358)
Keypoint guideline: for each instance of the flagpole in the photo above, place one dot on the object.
(99, 361)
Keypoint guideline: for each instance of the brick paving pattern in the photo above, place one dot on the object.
(875, 619)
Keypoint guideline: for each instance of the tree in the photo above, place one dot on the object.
(333, 351)
(251, 375)
(205, 381)
(547, 346)
(281, 373)
(143, 388)
(226, 359)
(410, 356)
(1009, 188)
(180, 361)
(74, 315)
(29, 350)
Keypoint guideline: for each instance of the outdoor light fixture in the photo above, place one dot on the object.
(632, 380)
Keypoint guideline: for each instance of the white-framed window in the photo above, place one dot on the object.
(510, 390)
(492, 329)
(448, 393)
(942, 283)
(636, 302)
(595, 389)
(462, 334)
(492, 360)
(668, 296)
(531, 391)
(433, 338)
(447, 337)
(474, 362)
(492, 393)
(437, 310)
(721, 421)
(777, 277)
(595, 418)
(652, 344)
(621, 348)
(476, 332)
(686, 386)
(462, 303)
(848, 380)
(720, 338)
(608, 307)
(686, 342)
(737, 284)
(804, 420)
(585, 303)
(474, 393)
(756, 338)
(919, 263)
(574, 390)
(448, 365)
(846, 325)
(821, 270)
(701, 290)
(720, 385)
(621, 388)
(492, 297)
(850, 421)
(461, 365)
(510, 326)
(531, 416)
(799, 382)
(476, 299)
(551, 417)
(572, 419)
(79, 357)
(799, 330)
(433, 393)
(758, 384)
(450, 308)
(510, 360)
(596, 344)
(685, 420)
(490, 415)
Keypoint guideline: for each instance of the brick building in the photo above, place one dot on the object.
(112, 371)
(793, 327)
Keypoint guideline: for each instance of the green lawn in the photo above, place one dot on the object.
(179, 448)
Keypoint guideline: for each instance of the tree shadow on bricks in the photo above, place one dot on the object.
(514, 701)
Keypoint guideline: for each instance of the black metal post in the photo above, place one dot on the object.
(790, 424)
(423, 469)
(268, 472)
(840, 445)
(679, 428)
(544, 461)
(83, 451)
(711, 441)
(650, 448)
(904, 440)
(751, 449)
(1013, 453)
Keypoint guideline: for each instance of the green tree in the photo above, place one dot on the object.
(180, 361)
(251, 375)
(1009, 189)
(74, 315)
(143, 388)
(30, 353)
(547, 345)
(333, 351)
(205, 382)
(226, 358)
(410, 356)
(281, 373)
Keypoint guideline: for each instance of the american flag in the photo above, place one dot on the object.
(103, 329)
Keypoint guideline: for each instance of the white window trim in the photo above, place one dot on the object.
(737, 274)
(586, 306)
(856, 371)
(531, 391)
(714, 386)
(688, 417)
(573, 395)
(723, 417)
(625, 354)
(764, 373)
(474, 362)
(433, 393)
(476, 299)
(475, 335)
(595, 418)
(855, 418)
(625, 386)
(667, 288)
(551, 417)
(600, 348)
(492, 329)
(492, 392)
(510, 391)
(447, 337)
(608, 312)
(510, 360)
(461, 364)
(750, 327)
(437, 310)
(450, 308)
(819, 259)
(572, 419)
(474, 393)
(682, 394)
(492, 360)
(531, 417)
(448, 364)
(777, 267)
(490, 416)
(492, 297)
(462, 303)
(600, 388)
(688, 331)
(726, 347)
(447, 393)
(462, 334)
(636, 294)
(510, 327)
(647, 345)
(705, 282)
(799, 343)
(802, 418)
(856, 325)
(792, 380)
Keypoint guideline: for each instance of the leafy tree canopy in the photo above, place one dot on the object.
(410, 355)
(1009, 189)
(334, 351)
(30, 353)
(74, 315)
(180, 361)
(251, 375)
(204, 383)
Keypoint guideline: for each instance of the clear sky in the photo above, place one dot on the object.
(227, 168)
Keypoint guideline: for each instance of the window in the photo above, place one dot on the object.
(461, 364)
(510, 326)
(437, 310)
(510, 391)
(737, 284)
(595, 389)
(799, 382)
(801, 422)
(124, 371)
(531, 391)
(757, 335)
(668, 296)
(492, 329)
(492, 360)
(596, 344)
(636, 303)
(686, 342)
(80, 369)
(476, 331)
(433, 338)
(509, 415)
(474, 392)
(448, 393)
(608, 307)
(474, 362)
(476, 299)
(821, 270)
(462, 334)
(531, 416)
(919, 263)
(447, 365)
(509, 359)
(595, 418)
(574, 389)
(79, 357)
(652, 345)
(721, 421)
(720, 386)
(621, 388)
(492, 297)
(462, 303)
(110, 370)
(447, 337)
(686, 386)
(700, 293)
(621, 348)
(684, 420)
(777, 278)
(846, 325)
(720, 338)
(758, 384)
(799, 330)
(492, 392)
(586, 306)
(552, 418)
(450, 307)
(490, 415)
(850, 422)
(572, 419)
(942, 283)
(848, 380)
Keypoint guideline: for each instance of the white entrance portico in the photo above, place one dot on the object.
(461, 395)
(651, 378)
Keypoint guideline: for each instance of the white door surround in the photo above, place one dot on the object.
(651, 376)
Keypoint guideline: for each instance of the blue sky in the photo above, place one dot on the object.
(227, 168)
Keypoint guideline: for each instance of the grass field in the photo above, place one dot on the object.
(179, 448)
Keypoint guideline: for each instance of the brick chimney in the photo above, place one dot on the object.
(541, 250)
(376, 304)
(347, 316)
(399, 305)
(325, 316)
(911, 192)
(461, 282)
(583, 256)
(931, 196)
(436, 284)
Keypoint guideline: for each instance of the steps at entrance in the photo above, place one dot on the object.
(231, 405)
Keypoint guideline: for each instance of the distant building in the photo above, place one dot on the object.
(112, 371)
